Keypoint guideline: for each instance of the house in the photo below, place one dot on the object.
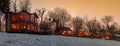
(24, 22)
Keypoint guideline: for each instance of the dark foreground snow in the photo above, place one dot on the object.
(9, 39)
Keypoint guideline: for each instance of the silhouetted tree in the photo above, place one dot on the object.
(102, 31)
(47, 26)
(0, 21)
(106, 20)
(4, 8)
(77, 23)
(40, 13)
(59, 16)
(93, 25)
(13, 6)
(24, 5)
(113, 28)
(4, 5)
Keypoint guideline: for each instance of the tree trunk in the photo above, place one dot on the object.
(0, 24)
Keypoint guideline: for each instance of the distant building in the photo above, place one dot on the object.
(23, 22)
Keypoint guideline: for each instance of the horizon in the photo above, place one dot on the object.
(90, 8)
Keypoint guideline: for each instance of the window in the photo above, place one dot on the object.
(14, 26)
(14, 17)
(28, 28)
(32, 27)
(20, 16)
(23, 26)
(27, 17)
(18, 26)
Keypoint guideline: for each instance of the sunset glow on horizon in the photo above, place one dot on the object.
(90, 8)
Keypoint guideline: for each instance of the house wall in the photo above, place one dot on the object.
(23, 22)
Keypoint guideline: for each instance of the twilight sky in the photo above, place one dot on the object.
(90, 8)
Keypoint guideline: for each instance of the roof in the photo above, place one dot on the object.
(26, 12)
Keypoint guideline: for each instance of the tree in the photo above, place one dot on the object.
(14, 5)
(93, 25)
(59, 16)
(106, 20)
(47, 26)
(24, 5)
(77, 23)
(4, 8)
(0, 21)
(40, 13)
(113, 28)
(4, 5)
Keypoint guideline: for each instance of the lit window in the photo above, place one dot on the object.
(14, 26)
(18, 26)
(14, 17)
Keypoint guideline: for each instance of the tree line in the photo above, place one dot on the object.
(52, 21)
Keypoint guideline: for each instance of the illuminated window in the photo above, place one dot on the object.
(20, 17)
(14, 26)
(18, 26)
(32, 27)
(28, 27)
(27, 17)
(23, 26)
(14, 17)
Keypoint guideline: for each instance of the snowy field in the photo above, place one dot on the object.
(9, 39)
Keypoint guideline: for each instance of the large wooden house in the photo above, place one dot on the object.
(24, 22)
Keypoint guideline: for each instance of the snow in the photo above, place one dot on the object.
(16, 39)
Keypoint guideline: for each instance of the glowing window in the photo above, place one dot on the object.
(14, 26)
(18, 26)
(14, 17)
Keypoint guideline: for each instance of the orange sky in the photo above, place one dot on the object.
(91, 8)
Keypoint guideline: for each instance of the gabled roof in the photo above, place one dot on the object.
(21, 12)
(27, 13)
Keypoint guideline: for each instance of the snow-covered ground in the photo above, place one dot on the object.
(14, 39)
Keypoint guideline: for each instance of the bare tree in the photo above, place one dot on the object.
(113, 28)
(107, 20)
(59, 16)
(47, 26)
(13, 5)
(24, 5)
(1, 20)
(77, 23)
(40, 13)
(93, 25)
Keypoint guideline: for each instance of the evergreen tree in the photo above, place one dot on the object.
(4, 5)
